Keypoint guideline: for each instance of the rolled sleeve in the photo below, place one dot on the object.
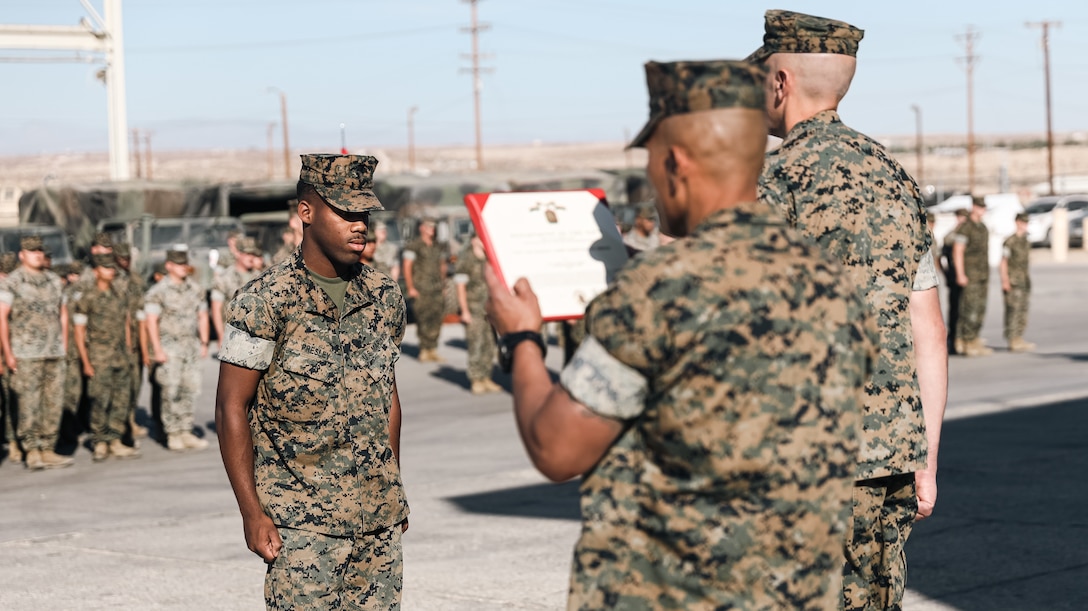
(244, 350)
(460, 278)
(250, 332)
(926, 276)
(7, 297)
(602, 383)
(152, 309)
(409, 255)
(80, 320)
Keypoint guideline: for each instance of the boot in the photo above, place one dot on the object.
(34, 460)
(977, 347)
(958, 346)
(175, 444)
(51, 460)
(479, 388)
(15, 455)
(101, 452)
(192, 442)
(138, 432)
(492, 386)
(1018, 344)
(120, 450)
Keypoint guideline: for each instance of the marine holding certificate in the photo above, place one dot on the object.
(713, 406)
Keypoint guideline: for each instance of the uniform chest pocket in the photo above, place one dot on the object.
(301, 386)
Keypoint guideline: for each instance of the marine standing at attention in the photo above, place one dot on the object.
(843, 191)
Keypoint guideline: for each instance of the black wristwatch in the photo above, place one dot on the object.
(510, 340)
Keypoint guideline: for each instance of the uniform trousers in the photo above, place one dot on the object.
(481, 346)
(179, 378)
(1016, 311)
(38, 386)
(318, 571)
(972, 309)
(108, 394)
(429, 309)
(875, 573)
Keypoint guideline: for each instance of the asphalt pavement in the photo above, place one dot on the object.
(488, 532)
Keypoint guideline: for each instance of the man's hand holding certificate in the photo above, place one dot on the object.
(565, 243)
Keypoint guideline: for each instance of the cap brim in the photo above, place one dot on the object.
(758, 56)
(644, 135)
(356, 200)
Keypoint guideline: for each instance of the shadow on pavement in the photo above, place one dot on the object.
(1010, 531)
(554, 501)
(1072, 357)
(452, 375)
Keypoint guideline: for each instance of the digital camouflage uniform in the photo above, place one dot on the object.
(976, 266)
(430, 307)
(385, 258)
(36, 300)
(73, 378)
(324, 467)
(1017, 253)
(177, 306)
(955, 291)
(228, 282)
(843, 190)
(136, 287)
(478, 333)
(737, 356)
(105, 316)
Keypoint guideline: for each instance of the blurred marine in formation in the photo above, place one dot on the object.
(104, 342)
(1016, 284)
(843, 190)
(33, 325)
(955, 291)
(308, 412)
(971, 256)
(714, 404)
(644, 234)
(177, 327)
(425, 277)
(229, 281)
(471, 299)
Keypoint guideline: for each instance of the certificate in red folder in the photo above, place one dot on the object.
(565, 243)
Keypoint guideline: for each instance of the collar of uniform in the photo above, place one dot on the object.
(813, 123)
(316, 301)
(747, 213)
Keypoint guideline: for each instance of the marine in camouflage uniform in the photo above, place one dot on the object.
(644, 235)
(136, 286)
(955, 291)
(308, 413)
(385, 253)
(471, 298)
(8, 261)
(76, 419)
(177, 321)
(33, 322)
(1016, 284)
(229, 281)
(970, 250)
(843, 190)
(101, 315)
(425, 277)
(720, 380)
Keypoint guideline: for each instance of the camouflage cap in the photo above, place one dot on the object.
(789, 32)
(678, 88)
(103, 239)
(1022, 216)
(646, 210)
(963, 213)
(104, 260)
(31, 242)
(122, 250)
(978, 200)
(345, 181)
(75, 267)
(8, 262)
(249, 246)
(178, 253)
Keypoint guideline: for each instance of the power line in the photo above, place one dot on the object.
(1045, 26)
(261, 44)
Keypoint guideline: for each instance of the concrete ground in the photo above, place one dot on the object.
(487, 532)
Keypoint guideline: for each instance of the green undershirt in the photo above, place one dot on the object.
(335, 288)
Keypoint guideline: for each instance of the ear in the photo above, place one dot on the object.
(305, 211)
(678, 163)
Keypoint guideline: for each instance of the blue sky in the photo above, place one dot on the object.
(198, 71)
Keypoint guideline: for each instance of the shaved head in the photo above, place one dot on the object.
(820, 77)
(727, 144)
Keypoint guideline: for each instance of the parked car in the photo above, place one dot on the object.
(1041, 215)
(53, 237)
(1076, 227)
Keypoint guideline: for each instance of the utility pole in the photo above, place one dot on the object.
(969, 38)
(918, 142)
(271, 151)
(104, 38)
(286, 140)
(147, 151)
(476, 70)
(412, 139)
(1045, 26)
(136, 151)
